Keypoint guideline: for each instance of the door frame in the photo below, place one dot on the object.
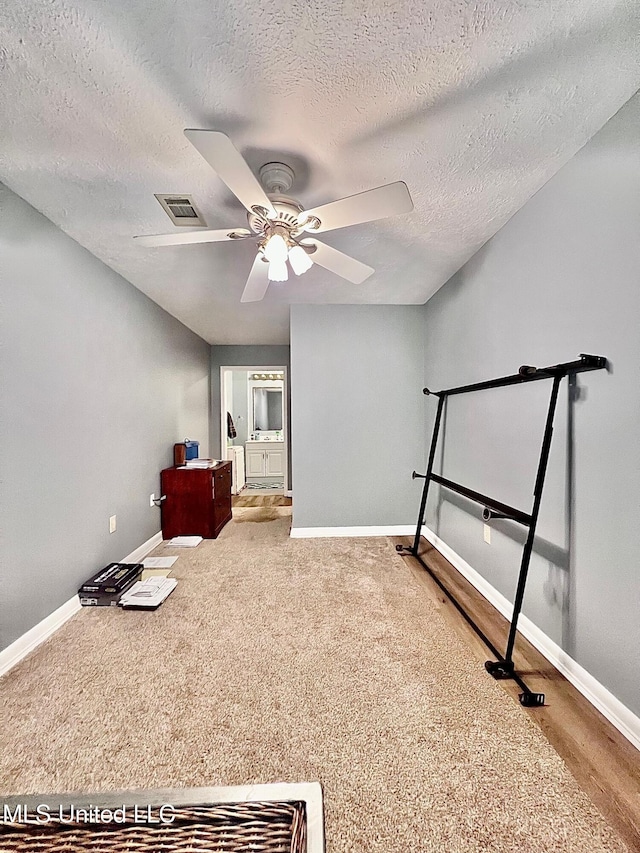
(260, 368)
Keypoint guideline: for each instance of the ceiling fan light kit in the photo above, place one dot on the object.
(280, 248)
(278, 223)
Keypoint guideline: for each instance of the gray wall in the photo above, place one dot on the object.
(240, 412)
(561, 278)
(358, 413)
(98, 383)
(247, 356)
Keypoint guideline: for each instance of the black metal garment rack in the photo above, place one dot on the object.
(503, 667)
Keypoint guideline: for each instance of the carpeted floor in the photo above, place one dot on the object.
(294, 660)
(261, 513)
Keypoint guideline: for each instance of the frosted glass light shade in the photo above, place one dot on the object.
(276, 249)
(299, 260)
(278, 271)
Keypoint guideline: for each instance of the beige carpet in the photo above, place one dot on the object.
(261, 513)
(295, 660)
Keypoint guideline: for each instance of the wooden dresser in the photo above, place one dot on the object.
(198, 501)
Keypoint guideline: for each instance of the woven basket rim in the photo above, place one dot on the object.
(262, 826)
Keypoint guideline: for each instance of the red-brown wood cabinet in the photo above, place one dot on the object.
(198, 501)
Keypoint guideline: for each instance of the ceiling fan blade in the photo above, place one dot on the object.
(203, 235)
(339, 263)
(362, 207)
(258, 281)
(225, 159)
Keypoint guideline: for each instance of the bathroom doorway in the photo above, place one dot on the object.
(254, 428)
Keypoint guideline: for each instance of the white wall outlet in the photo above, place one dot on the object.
(112, 524)
(487, 534)
(151, 500)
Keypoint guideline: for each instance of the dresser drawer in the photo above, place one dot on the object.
(221, 486)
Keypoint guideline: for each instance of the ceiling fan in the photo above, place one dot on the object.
(280, 224)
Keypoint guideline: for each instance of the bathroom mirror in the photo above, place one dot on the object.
(267, 409)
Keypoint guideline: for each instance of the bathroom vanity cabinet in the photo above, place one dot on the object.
(264, 459)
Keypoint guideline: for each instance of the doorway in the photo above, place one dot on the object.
(254, 429)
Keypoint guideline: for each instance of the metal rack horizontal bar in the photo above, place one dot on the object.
(491, 503)
(527, 373)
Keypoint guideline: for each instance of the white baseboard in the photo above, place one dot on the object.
(331, 532)
(21, 647)
(618, 714)
(147, 547)
(288, 493)
(25, 644)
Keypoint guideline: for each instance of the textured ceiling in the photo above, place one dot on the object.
(473, 104)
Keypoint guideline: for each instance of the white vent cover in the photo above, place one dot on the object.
(180, 209)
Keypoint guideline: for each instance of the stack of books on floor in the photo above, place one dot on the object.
(120, 584)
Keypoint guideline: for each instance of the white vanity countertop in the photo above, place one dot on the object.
(265, 441)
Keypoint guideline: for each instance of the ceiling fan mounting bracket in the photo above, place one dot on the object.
(311, 223)
(309, 248)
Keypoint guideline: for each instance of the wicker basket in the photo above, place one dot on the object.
(249, 827)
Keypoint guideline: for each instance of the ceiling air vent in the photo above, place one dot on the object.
(180, 209)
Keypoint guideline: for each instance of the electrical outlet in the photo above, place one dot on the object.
(151, 500)
(487, 534)
(112, 524)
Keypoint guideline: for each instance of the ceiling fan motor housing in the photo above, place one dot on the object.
(287, 210)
